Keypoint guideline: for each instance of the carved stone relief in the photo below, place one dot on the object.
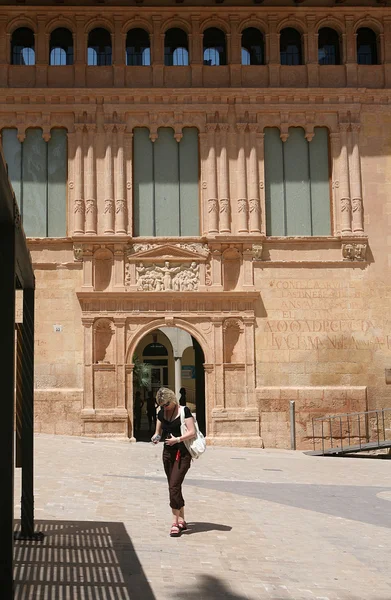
(179, 278)
(354, 251)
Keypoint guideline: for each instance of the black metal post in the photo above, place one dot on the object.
(7, 370)
(26, 365)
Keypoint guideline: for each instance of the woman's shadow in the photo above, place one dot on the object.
(201, 527)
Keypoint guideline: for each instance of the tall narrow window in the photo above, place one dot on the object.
(215, 52)
(297, 183)
(138, 51)
(252, 47)
(290, 47)
(176, 49)
(61, 47)
(328, 47)
(38, 174)
(22, 47)
(366, 47)
(99, 48)
(166, 183)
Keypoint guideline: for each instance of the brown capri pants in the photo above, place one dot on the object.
(176, 471)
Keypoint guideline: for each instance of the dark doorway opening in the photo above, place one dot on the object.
(200, 385)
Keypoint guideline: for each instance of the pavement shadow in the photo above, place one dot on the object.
(210, 588)
(77, 560)
(200, 527)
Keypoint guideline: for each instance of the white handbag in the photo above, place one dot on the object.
(197, 445)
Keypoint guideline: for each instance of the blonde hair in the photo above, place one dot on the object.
(164, 395)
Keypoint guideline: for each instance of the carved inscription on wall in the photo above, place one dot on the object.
(326, 314)
(168, 277)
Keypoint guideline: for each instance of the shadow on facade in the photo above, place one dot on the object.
(78, 560)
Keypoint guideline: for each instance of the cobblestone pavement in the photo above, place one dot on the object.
(264, 524)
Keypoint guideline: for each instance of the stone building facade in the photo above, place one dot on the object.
(279, 266)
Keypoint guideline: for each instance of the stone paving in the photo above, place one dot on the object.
(264, 524)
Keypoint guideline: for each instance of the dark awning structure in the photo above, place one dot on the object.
(16, 273)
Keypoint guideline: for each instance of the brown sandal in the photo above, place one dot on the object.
(175, 530)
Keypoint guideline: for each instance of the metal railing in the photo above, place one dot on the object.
(348, 430)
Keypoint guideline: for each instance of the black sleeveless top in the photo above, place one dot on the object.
(173, 427)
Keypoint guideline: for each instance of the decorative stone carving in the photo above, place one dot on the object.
(208, 274)
(254, 205)
(257, 251)
(78, 206)
(354, 251)
(90, 205)
(155, 278)
(109, 206)
(196, 247)
(78, 252)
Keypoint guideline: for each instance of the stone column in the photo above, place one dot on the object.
(80, 49)
(273, 52)
(109, 191)
(219, 362)
(41, 53)
(120, 191)
(224, 194)
(253, 181)
(120, 362)
(213, 214)
(157, 58)
(88, 396)
(349, 51)
(89, 182)
(178, 375)
(79, 207)
(216, 269)
(128, 157)
(312, 53)
(355, 181)
(118, 41)
(335, 147)
(196, 56)
(261, 180)
(4, 51)
(241, 180)
(250, 360)
(344, 193)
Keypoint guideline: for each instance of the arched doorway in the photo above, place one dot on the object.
(175, 360)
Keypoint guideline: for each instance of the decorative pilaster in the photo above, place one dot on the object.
(120, 187)
(345, 204)
(241, 180)
(88, 396)
(355, 181)
(335, 146)
(213, 207)
(109, 191)
(89, 182)
(224, 182)
(253, 182)
(79, 206)
(119, 323)
(128, 156)
(219, 362)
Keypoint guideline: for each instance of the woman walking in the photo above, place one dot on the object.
(176, 458)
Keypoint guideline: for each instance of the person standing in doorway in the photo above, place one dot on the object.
(151, 411)
(182, 397)
(137, 407)
(176, 457)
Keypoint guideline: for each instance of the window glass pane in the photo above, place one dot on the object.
(57, 180)
(320, 182)
(245, 57)
(12, 149)
(143, 187)
(34, 174)
(180, 57)
(211, 57)
(92, 57)
(297, 184)
(166, 172)
(274, 183)
(188, 182)
(58, 57)
(146, 57)
(28, 56)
